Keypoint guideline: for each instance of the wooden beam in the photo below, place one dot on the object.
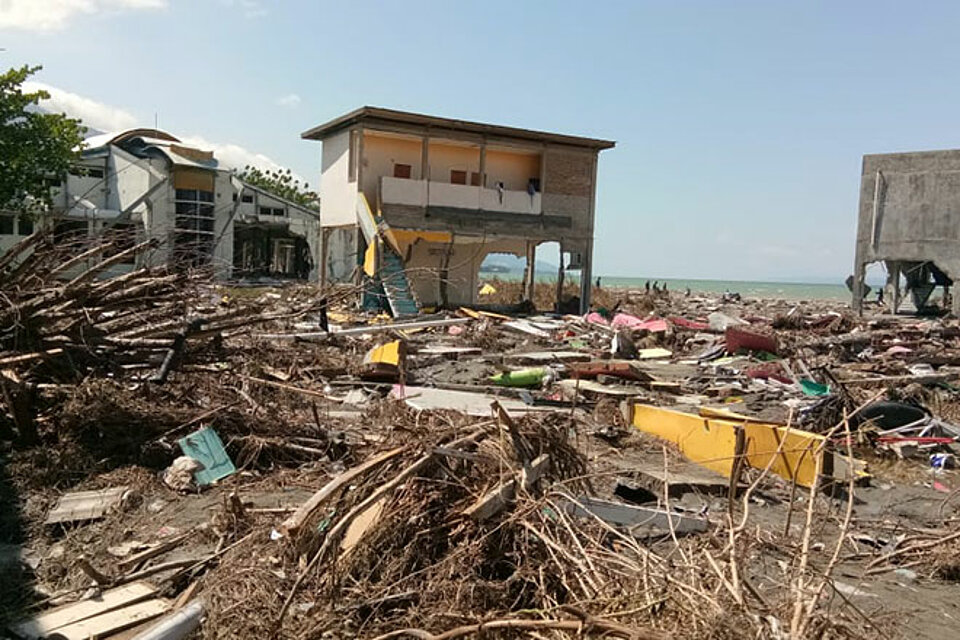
(292, 525)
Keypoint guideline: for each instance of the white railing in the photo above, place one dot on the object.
(444, 194)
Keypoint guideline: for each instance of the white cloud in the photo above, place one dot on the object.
(233, 156)
(290, 100)
(53, 15)
(93, 114)
(249, 8)
(104, 117)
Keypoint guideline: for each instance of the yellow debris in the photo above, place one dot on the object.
(711, 441)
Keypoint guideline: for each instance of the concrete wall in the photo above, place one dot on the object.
(512, 168)
(341, 252)
(338, 194)
(444, 157)
(463, 260)
(380, 154)
(913, 212)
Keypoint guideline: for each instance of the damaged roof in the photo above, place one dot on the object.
(393, 117)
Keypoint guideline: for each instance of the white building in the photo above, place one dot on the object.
(148, 182)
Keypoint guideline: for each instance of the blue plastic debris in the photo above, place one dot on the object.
(205, 447)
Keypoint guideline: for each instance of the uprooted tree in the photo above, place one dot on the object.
(35, 146)
(281, 183)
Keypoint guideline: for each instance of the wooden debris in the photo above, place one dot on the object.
(47, 622)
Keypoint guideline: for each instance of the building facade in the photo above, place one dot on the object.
(441, 194)
(148, 184)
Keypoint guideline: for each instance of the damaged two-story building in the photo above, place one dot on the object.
(419, 201)
(151, 185)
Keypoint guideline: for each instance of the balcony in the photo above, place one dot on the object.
(421, 193)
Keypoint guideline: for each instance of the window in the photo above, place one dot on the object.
(86, 172)
(193, 233)
(475, 179)
(247, 198)
(266, 211)
(402, 171)
(458, 177)
(6, 225)
(25, 226)
(279, 211)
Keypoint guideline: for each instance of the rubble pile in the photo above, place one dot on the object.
(276, 463)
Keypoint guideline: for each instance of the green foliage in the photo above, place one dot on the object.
(282, 184)
(35, 148)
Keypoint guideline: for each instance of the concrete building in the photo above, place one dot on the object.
(909, 219)
(149, 183)
(438, 195)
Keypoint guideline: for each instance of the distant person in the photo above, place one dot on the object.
(656, 286)
(664, 287)
(687, 293)
(532, 190)
(500, 188)
(647, 286)
(880, 295)
(598, 282)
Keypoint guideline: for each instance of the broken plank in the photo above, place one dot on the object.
(112, 621)
(591, 386)
(497, 500)
(292, 524)
(547, 357)
(522, 326)
(79, 506)
(641, 522)
(445, 351)
(42, 625)
(158, 549)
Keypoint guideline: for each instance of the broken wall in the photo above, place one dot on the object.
(910, 209)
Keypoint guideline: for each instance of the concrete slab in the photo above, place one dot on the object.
(79, 506)
(468, 402)
(641, 522)
(676, 482)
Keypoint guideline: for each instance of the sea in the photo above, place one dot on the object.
(747, 289)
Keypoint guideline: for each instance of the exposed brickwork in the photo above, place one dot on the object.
(568, 173)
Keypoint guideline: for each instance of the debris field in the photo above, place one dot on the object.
(187, 460)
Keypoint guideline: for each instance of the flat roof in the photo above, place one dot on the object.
(418, 119)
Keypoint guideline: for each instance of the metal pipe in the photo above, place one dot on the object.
(177, 625)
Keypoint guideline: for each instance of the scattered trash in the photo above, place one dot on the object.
(204, 446)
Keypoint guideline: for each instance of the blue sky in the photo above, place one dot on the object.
(739, 125)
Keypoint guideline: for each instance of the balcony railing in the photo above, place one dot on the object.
(422, 193)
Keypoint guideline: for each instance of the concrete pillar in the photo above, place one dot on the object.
(324, 241)
(560, 273)
(530, 273)
(895, 275)
(425, 159)
(586, 278)
(483, 164)
(858, 276)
